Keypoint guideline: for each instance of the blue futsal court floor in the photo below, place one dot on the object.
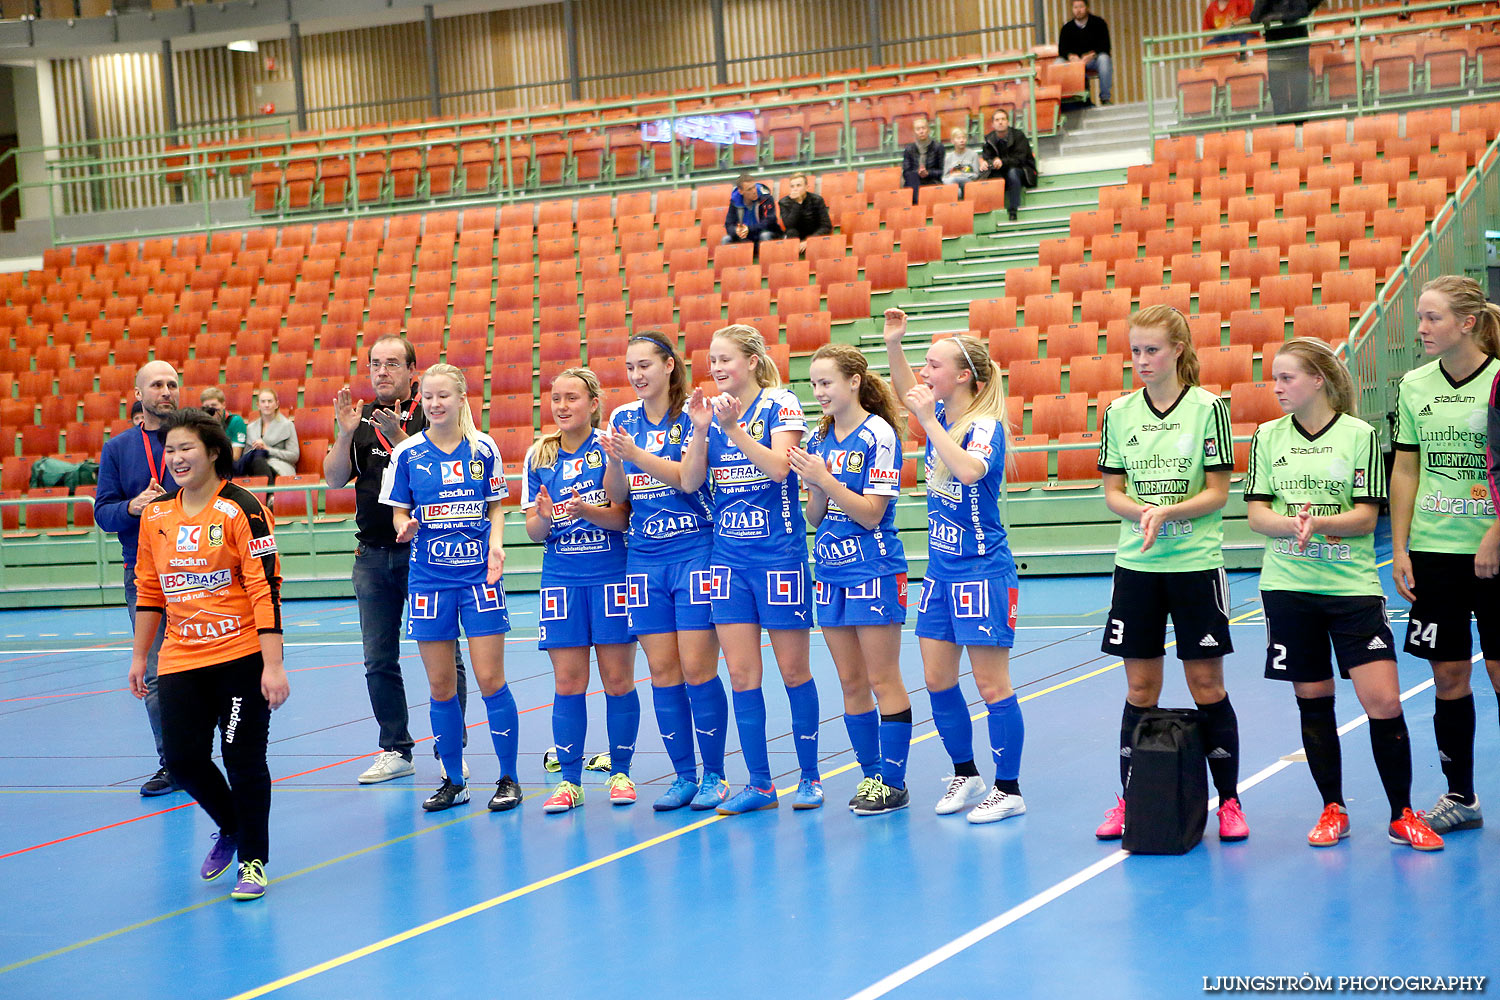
(371, 897)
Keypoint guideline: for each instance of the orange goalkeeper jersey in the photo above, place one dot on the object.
(216, 575)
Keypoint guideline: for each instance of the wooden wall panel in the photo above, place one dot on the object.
(631, 36)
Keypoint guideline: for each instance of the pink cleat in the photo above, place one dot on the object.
(1113, 827)
(1232, 825)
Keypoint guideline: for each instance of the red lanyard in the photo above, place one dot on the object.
(151, 459)
(405, 418)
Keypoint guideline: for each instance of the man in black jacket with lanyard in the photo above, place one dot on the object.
(804, 213)
(132, 473)
(367, 435)
(1007, 154)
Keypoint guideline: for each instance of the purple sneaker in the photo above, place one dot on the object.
(252, 883)
(220, 856)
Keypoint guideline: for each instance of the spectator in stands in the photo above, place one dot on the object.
(1221, 14)
(137, 413)
(1287, 67)
(1007, 154)
(960, 164)
(922, 160)
(132, 473)
(367, 435)
(273, 449)
(804, 213)
(212, 401)
(751, 216)
(1086, 39)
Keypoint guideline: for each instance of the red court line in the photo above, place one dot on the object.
(287, 777)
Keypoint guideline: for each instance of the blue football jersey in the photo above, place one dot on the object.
(578, 552)
(757, 522)
(449, 494)
(868, 462)
(965, 539)
(666, 524)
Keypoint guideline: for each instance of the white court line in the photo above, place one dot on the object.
(993, 926)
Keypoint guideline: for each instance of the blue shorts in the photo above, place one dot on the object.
(880, 600)
(971, 613)
(434, 615)
(596, 614)
(770, 598)
(673, 598)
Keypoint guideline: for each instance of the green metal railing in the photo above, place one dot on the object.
(1384, 344)
(78, 183)
(1357, 37)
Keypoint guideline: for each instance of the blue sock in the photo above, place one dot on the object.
(710, 721)
(1007, 735)
(750, 719)
(570, 724)
(448, 730)
(895, 746)
(622, 720)
(804, 698)
(950, 714)
(864, 736)
(505, 727)
(674, 718)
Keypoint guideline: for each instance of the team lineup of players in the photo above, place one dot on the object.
(680, 525)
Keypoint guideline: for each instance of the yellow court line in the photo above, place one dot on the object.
(526, 890)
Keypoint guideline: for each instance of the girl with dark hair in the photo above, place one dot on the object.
(852, 470)
(669, 573)
(208, 562)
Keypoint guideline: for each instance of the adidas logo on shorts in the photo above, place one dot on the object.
(1425, 411)
(1377, 643)
(1280, 462)
(1207, 641)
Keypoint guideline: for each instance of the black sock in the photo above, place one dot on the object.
(1392, 750)
(1221, 743)
(1453, 723)
(1010, 786)
(1128, 719)
(897, 717)
(1320, 741)
(965, 770)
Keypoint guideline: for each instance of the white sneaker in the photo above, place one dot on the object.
(388, 764)
(962, 792)
(996, 806)
(444, 771)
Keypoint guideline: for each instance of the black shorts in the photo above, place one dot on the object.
(1300, 626)
(1198, 602)
(1448, 596)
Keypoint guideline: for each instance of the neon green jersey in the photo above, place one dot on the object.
(1444, 422)
(1333, 470)
(1163, 457)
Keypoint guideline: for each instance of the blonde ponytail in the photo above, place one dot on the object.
(988, 401)
(752, 345)
(544, 451)
(1317, 358)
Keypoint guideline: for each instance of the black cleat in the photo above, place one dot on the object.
(447, 796)
(882, 799)
(160, 783)
(507, 795)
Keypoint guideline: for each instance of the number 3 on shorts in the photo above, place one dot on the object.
(1116, 631)
(1278, 662)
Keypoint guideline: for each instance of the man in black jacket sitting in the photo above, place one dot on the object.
(922, 160)
(804, 213)
(1007, 154)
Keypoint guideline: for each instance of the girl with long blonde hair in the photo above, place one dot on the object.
(970, 595)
